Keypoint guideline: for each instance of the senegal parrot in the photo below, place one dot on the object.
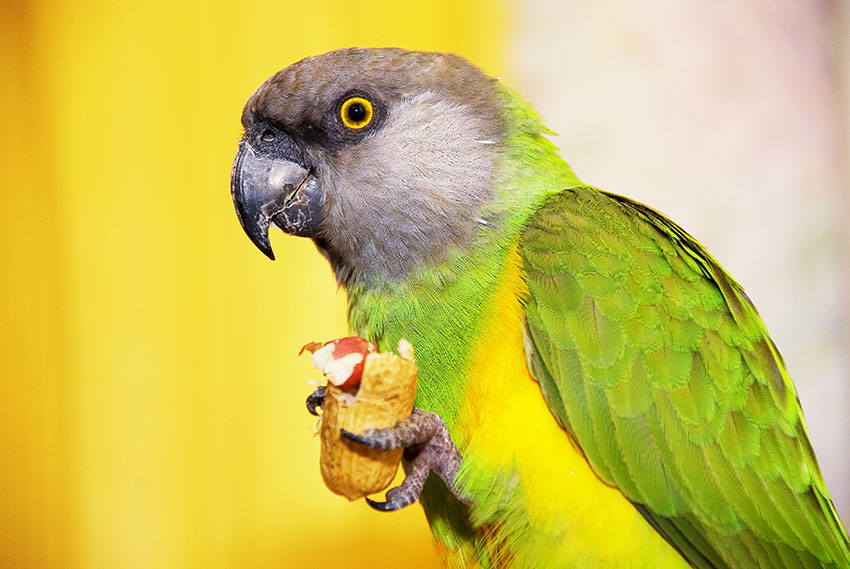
(594, 389)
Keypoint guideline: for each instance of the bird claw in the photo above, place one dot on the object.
(393, 501)
(428, 447)
(316, 400)
(382, 506)
(363, 439)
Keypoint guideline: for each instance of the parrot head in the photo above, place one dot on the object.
(383, 157)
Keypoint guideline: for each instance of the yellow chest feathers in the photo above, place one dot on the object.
(563, 514)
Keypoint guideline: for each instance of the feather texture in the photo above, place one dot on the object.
(655, 361)
(668, 431)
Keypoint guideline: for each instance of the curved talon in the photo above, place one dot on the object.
(383, 506)
(397, 498)
(346, 434)
(316, 400)
(372, 438)
(357, 438)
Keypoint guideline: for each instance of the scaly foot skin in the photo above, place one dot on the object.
(428, 447)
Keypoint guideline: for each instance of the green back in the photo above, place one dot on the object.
(657, 364)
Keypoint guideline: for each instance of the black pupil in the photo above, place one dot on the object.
(356, 112)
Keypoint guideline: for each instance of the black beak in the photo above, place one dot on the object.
(268, 189)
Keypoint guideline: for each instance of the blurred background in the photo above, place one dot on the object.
(151, 412)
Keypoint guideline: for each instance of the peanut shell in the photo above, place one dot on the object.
(385, 396)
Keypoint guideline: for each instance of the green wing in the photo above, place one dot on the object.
(659, 367)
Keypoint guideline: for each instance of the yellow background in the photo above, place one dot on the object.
(151, 399)
(151, 413)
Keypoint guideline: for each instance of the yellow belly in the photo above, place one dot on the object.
(573, 518)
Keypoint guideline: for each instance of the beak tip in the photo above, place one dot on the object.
(257, 230)
(260, 239)
(262, 187)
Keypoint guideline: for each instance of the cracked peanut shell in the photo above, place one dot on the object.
(385, 396)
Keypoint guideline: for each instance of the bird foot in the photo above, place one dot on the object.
(427, 445)
(428, 448)
(316, 400)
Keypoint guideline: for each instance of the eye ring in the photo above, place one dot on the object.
(356, 112)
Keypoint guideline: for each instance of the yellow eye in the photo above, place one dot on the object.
(356, 112)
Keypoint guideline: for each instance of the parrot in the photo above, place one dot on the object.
(595, 390)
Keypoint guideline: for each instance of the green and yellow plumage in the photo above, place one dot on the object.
(614, 394)
(647, 353)
(662, 371)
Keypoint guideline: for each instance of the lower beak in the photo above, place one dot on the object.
(267, 189)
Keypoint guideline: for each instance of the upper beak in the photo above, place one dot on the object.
(269, 189)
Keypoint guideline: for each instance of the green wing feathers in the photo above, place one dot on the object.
(657, 364)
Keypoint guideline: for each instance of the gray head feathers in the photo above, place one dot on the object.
(400, 194)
